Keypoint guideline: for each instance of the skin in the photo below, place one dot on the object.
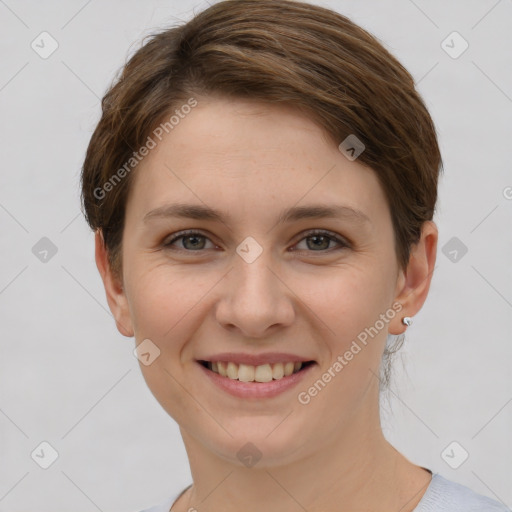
(250, 160)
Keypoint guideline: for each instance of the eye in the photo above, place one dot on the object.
(193, 241)
(322, 239)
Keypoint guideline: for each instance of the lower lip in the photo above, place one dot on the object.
(257, 389)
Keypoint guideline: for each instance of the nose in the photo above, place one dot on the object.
(254, 298)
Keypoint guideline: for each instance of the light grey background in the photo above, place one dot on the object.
(69, 378)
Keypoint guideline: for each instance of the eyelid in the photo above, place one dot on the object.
(342, 241)
(181, 234)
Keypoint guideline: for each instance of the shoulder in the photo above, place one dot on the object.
(443, 495)
(163, 506)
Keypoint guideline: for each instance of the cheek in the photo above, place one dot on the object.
(346, 300)
(164, 304)
(349, 303)
(163, 299)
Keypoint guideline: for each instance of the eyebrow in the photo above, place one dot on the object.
(314, 211)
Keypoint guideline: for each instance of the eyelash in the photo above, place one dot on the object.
(315, 232)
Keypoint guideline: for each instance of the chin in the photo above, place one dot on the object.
(259, 442)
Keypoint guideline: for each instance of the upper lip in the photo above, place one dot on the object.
(256, 359)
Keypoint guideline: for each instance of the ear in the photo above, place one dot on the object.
(413, 284)
(116, 297)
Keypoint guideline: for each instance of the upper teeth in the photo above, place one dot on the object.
(250, 373)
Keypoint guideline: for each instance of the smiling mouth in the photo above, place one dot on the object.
(250, 373)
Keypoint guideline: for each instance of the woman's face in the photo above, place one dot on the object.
(253, 283)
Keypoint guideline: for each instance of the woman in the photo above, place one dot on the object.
(262, 185)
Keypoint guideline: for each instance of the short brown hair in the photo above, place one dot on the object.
(277, 51)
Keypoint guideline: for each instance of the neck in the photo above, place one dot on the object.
(355, 468)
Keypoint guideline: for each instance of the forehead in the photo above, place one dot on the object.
(227, 152)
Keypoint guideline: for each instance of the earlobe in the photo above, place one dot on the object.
(413, 284)
(115, 293)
